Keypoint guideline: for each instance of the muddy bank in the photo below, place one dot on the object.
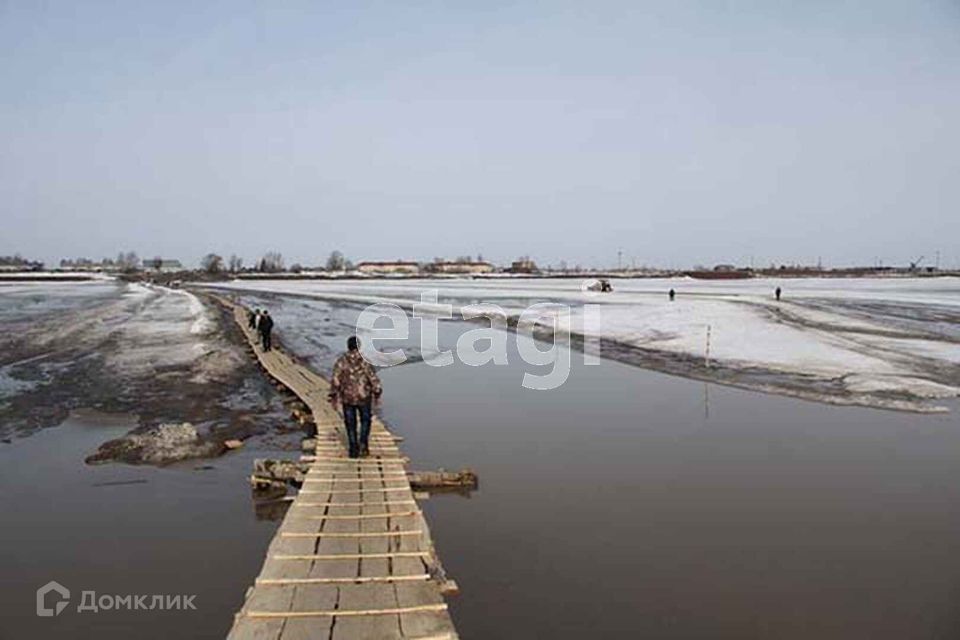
(160, 354)
(753, 377)
(159, 445)
(756, 378)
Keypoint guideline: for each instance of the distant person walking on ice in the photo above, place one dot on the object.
(355, 385)
(265, 326)
(673, 294)
(778, 292)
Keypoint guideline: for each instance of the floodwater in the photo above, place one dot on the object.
(625, 503)
(122, 530)
(629, 503)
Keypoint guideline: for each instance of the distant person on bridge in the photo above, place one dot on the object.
(355, 386)
(252, 317)
(778, 292)
(265, 326)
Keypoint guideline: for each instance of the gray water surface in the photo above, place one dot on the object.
(633, 504)
(120, 530)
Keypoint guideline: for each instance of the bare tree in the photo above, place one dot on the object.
(128, 261)
(212, 263)
(271, 262)
(235, 263)
(336, 262)
(296, 267)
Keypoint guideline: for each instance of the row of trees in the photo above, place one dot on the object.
(271, 262)
(18, 262)
(460, 259)
(15, 260)
(125, 261)
(212, 263)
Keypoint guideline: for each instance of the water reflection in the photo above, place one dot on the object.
(633, 504)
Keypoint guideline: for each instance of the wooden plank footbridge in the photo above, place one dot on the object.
(353, 556)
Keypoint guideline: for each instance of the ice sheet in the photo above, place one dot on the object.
(875, 341)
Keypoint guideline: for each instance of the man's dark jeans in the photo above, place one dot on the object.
(265, 340)
(350, 412)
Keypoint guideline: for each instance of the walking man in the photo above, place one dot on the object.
(355, 385)
(252, 318)
(265, 326)
(673, 294)
(778, 292)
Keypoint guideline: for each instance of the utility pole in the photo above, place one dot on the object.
(938, 261)
(619, 259)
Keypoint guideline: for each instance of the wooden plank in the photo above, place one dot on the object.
(329, 596)
(368, 490)
(322, 534)
(362, 462)
(361, 516)
(308, 597)
(277, 600)
(358, 579)
(424, 624)
(355, 479)
(377, 561)
(346, 464)
(374, 473)
(350, 613)
(336, 557)
(352, 504)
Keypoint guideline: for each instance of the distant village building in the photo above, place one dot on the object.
(405, 267)
(460, 267)
(524, 265)
(720, 272)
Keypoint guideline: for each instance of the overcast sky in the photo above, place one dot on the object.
(679, 132)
